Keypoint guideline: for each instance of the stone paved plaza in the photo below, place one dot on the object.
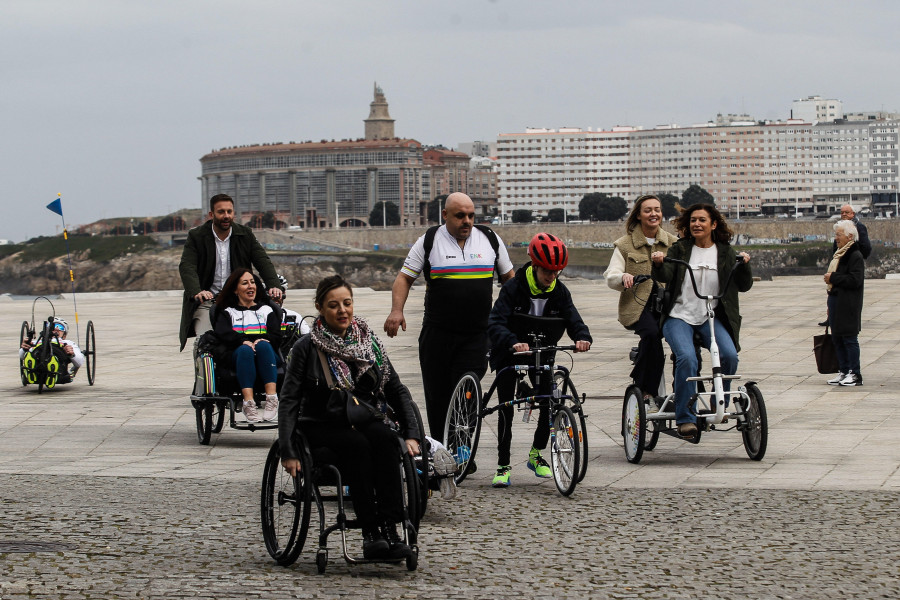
(107, 494)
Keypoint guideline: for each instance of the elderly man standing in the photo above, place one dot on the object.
(212, 251)
(458, 260)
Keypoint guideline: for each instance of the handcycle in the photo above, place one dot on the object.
(36, 365)
(568, 433)
(644, 419)
(216, 390)
(286, 502)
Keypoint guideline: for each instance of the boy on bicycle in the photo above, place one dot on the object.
(535, 290)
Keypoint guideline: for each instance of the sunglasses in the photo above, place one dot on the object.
(59, 327)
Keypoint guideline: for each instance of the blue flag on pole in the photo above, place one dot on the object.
(56, 206)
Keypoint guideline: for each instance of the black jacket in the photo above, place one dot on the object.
(198, 266)
(305, 393)
(847, 289)
(515, 298)
(729, 309)
(864, 244)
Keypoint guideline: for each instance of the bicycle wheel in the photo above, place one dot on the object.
(90, 352)
(218, 417)
(285, 504)
(651, 437)
(463, 424)
(203, 411)
(568, 388)
(565, 450)
(634, 424)
(23, 337)
(755, 429)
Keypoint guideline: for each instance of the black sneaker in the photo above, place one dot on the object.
(374, 545)
(397, 547)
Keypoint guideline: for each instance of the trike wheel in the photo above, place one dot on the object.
(755, 429)
(24, 335)
(285, 507)
(90, 353)
(634, 424)
(568, 388)
(565, 450)
(218, 417)
(651, 436)
(210, 419)
(463, 424)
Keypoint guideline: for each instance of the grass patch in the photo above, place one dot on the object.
(99, 248)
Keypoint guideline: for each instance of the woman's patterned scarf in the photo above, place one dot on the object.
(832, 266)
(358, 347)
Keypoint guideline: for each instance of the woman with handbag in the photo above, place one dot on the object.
(643, 235)
(844, 279)
(342, 349)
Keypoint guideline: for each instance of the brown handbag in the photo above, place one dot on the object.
(826, 356)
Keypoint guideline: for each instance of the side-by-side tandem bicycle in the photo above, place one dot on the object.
(568, 436)
(644, 419)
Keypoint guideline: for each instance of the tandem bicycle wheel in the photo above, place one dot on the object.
(634, 424)
(565, 450)
(463, 424)
(285, 505)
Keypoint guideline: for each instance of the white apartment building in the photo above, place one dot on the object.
(817, 109)
(543, 169)
(792, 167)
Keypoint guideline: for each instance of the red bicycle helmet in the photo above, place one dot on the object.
(548, 251)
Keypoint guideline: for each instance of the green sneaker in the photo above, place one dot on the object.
(537, 464)
(501, 479)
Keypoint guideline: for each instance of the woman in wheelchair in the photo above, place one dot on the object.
(366, 455)
(705, 244)
(250, 331)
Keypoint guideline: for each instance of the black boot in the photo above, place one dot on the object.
(398, 548)
(374, 545)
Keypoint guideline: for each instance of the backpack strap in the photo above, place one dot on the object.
(426, 249)
(495, 244)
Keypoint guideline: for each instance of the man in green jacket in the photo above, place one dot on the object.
(212, 251)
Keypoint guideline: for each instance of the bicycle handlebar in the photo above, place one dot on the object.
(738, 261)
(539, 349)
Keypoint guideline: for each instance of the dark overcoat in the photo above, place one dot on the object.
(847, 290)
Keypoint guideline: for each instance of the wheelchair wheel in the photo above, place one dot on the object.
(420, 466)
(463, 424)
(634, 424)
(285, 506)
(90, 352)
(755, 429)
(565, 450)
(413, 491)
(210, 418)
(568, 389)
(24, 334)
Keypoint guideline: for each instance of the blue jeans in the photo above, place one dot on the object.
(680, 337)
(248, 363)
(845, 346)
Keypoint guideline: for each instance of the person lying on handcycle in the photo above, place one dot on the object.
(705, 245)
(250, 330)
(367, 454)
(66, 358)
(535, 290)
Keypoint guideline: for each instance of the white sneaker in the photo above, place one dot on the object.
(837, 380)
(250, 412)
(270, 412)
(444, 464)
(851, 379)
(448, 488)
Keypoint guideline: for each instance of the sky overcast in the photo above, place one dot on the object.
(112, 103)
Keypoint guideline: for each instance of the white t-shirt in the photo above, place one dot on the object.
(704, 264)
(223, 257)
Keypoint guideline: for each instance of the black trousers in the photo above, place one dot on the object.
(369, 461)
(506, 387)
(444, 357)
(650, 361)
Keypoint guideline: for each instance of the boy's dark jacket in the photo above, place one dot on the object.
(515, 298)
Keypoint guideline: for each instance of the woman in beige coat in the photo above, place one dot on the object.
(631, 257)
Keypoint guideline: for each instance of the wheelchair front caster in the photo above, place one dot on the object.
(321, 561)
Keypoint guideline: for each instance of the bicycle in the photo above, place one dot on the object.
(709, 407)
(568, 437)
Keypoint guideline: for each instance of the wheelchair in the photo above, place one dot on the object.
(568, 426)
(37, 366)
(286, 502)
(644, 419)
(216, 390)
